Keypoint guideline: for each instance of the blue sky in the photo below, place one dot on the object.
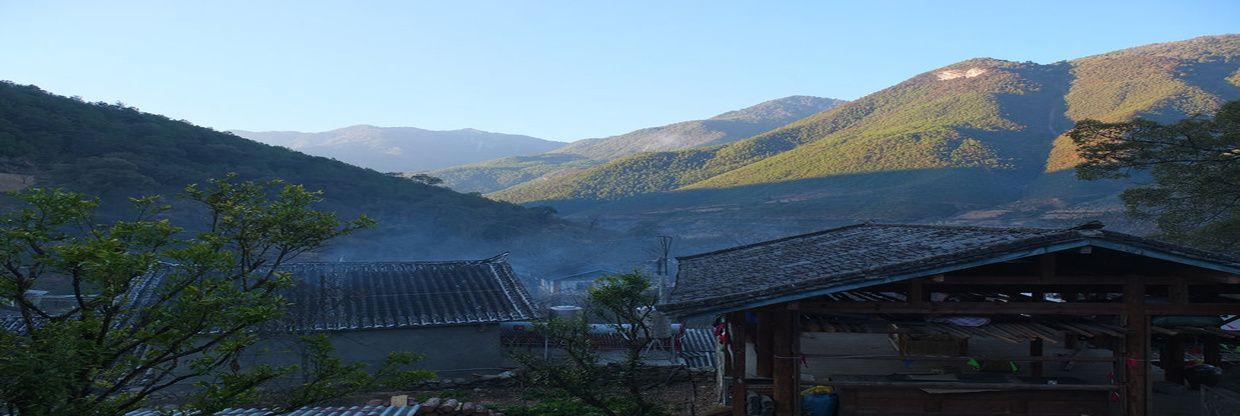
(557, 70)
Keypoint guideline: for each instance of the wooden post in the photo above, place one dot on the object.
(916, 292)
(1035, 350)
(1210, 351)
(764, 343)
(736, 321)
(1172, 358)
(785, 366)
(1136, 349)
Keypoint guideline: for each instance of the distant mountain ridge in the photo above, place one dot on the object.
(401, 149)
(495, 175)
(979, 135)
(980, 113)
(724, 128)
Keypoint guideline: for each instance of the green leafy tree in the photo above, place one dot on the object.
(126, 337)
(620, 387)
(1195, 164)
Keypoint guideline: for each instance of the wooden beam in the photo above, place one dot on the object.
(785, 365)
(736, 321)
(1013, 308)
(1032, 308)
(1177, 293)
(973, 386)
(1136, 350)
(763, 346)
(1194, 309)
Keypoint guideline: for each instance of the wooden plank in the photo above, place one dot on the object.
(1177, 292)
(763, 345)
(736, 321)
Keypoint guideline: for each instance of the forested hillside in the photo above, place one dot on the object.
(118, 152)
(984, 114)
(728, 127)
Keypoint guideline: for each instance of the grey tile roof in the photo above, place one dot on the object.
(346, 296)
(305, 411)
(855, 254)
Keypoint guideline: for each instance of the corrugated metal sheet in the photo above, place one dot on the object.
(698, 347)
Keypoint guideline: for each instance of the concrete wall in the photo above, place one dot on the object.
(450, 351)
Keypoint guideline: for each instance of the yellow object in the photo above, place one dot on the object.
(818, 390)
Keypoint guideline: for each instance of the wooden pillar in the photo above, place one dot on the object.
(736, 321)
(916, 292)
(1172, 357)
(1035, 350)
(1136, 350)
(763, 344)
(785, 369)
(1210, 351)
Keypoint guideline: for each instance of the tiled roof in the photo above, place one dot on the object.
(141, 292)
(857, 254)
(343, 296)
(305, 411)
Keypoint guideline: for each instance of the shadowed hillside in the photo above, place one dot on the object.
(728, 127)
(117, 152)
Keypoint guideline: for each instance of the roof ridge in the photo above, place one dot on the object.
(496, 259)
(878, 224)
(750, 245)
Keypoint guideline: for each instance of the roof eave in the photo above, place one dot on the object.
(1095, 241)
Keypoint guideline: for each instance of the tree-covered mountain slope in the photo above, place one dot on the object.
(724, 128)
(117, 152)
(404, 149)
(998, 116)
(495, 175)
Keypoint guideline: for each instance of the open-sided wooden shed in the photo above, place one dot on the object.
(1032, 286)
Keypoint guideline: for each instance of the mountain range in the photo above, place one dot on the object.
(495, 175)
(404, 149)
(980, 142)
(977, 141)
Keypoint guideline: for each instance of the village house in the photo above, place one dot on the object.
(937, 320)
(448, 311)
(571, 284)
